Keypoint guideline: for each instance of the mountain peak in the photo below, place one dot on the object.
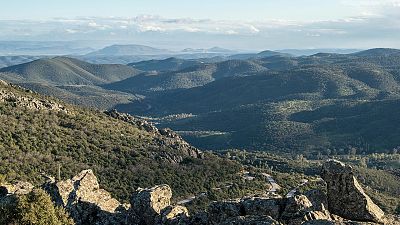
(127, 50)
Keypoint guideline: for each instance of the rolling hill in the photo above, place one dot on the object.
(194, 76)
(169, 64)
(273, 102)
(267, 109)
(66, 71)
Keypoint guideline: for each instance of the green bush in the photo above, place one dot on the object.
(34, 208)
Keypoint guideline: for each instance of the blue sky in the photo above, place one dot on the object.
(244, 24)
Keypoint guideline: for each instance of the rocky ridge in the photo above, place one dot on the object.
(27, 101)
(88, 204)
(164, 136)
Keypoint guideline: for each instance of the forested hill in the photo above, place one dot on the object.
(66, 71)
(39, 133)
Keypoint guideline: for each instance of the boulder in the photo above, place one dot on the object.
(295, 209)
(174, 215)
(147, 204)
(84, 200)
(346, 197)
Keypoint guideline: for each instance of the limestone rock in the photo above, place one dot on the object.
(30, 102)
(346, 197)
(147, 204)
(295, 209)
(85, 201)
(19, 188)
(263, 206)
(174, 215)
(318, 215)
(318, 199)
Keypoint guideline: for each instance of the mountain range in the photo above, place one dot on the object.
(264, 101)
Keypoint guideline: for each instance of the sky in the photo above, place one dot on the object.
(237, 24)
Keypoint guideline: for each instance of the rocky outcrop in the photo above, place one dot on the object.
(318, 199)
(296, 208)
(165, 137)
(85, 201)
(174, 215)
(88, 204)
(27, 101)
(346, 197)
(153, 206)
(18, 188)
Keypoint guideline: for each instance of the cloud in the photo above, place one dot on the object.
(373, 28)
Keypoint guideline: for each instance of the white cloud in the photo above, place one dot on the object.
(370, 28)
(253, 29)
(71, 31)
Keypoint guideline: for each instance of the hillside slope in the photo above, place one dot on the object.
(38, 134)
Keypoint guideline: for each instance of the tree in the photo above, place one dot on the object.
(36, 208)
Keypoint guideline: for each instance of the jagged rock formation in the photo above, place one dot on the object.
(153, 206)
(174, 215)
(346, 197)
(318, 199)
(165, 136)
(86, 202)
(147, 204)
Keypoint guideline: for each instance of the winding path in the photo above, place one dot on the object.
(275, 187)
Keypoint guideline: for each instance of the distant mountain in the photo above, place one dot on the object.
(169, 64)
(308, 52)
(378, 52)
(209, 50)
(190, 77)
(66, 71)
(128, 50)
(263, 54)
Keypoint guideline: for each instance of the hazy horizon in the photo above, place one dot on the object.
(305, 24)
